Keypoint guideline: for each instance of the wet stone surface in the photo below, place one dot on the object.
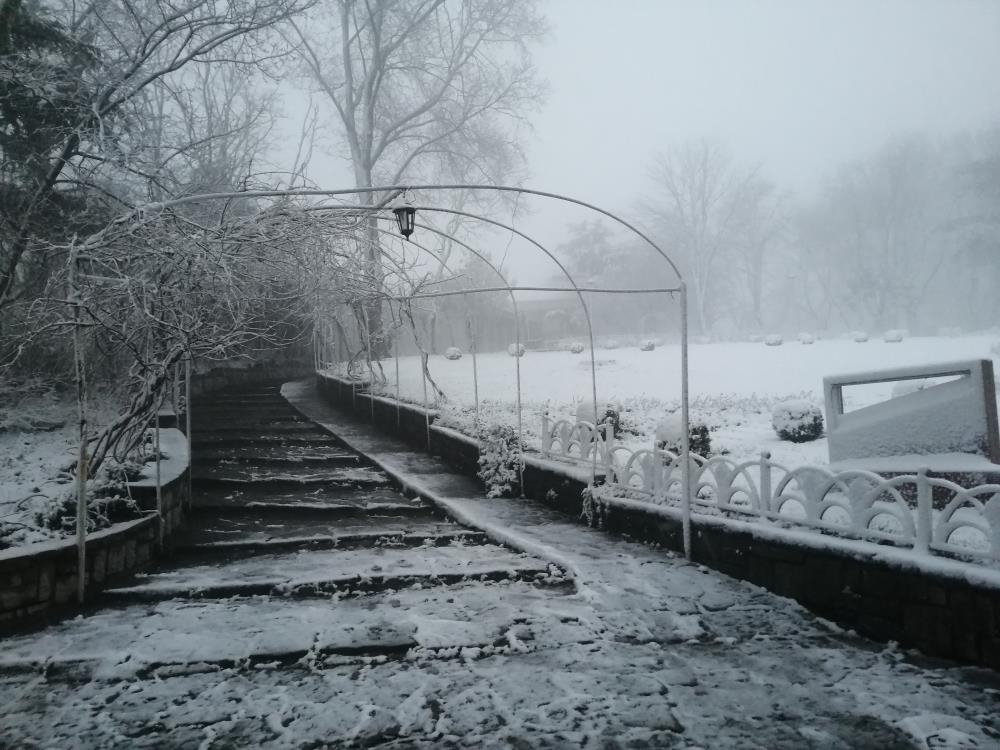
(423, 638)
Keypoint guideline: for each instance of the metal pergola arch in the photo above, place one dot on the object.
(395, 190)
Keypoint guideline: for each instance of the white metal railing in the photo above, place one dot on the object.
(926, 514)
(576, 441)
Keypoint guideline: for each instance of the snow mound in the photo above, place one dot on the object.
(576, 347)
(670, 435)
(647, 346)
(859, 336)
(585, 409)
(453, 353)
(797, 421)
(516, 350)
(773, 339)
(807, 338)
(894, 335)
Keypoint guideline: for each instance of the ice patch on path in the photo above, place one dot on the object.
(941, 732)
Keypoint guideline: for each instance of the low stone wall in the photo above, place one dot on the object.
(942, 607)
(40, 580)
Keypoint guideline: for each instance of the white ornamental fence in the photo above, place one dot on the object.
(926, 514)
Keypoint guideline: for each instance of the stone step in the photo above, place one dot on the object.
(225, 475)
(253, 427)
(332, 500)
(226, 529)
(179, 635)
(317, 573)
(224, 440)
(328, 453)
(239, 549)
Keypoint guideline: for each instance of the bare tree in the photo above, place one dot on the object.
(888, 219)
(424, 89)
(705, 207)
(137, 43)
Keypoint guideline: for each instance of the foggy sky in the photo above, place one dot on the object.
(800, 86)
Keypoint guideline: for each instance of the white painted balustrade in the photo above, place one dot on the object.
(927, 514)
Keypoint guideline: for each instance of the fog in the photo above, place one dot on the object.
(800, 93)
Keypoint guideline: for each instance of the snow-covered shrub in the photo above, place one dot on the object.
(453, 353)
(807, 338)
(108, 500)
(904, 387)
(647, 346)
(859, 336)
(593, 509)
(797, 421)
(893, 336)
(610, 413)
(670, 432)
(516, 350)
(773, 339)
(499, 459)
(576, 347)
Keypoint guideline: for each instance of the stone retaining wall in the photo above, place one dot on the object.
(40, 580)
(942, 607)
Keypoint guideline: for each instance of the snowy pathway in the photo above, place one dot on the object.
(637, 649)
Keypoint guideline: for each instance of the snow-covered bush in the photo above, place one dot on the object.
(453, 353)
(859, 336)
(647, 346)
(773, 339)
(807, 338)
(499, 459)
(610, 413)
(797, 421)
(516, 350)
(108, 500)
(670, 432)
(893, 336)
(576, 347)
(904, 387)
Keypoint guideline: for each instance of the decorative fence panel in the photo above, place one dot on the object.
(926, 514)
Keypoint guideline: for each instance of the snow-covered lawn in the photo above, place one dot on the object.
(733, 386)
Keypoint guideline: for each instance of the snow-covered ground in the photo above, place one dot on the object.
(733, 386)
(38, 449)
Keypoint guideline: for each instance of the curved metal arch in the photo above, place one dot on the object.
(315, 192)
(304, 192)
(579, 294)
(513, 301)
(547, 252)
(472, 334)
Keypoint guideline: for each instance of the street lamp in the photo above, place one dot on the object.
(405, 216)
